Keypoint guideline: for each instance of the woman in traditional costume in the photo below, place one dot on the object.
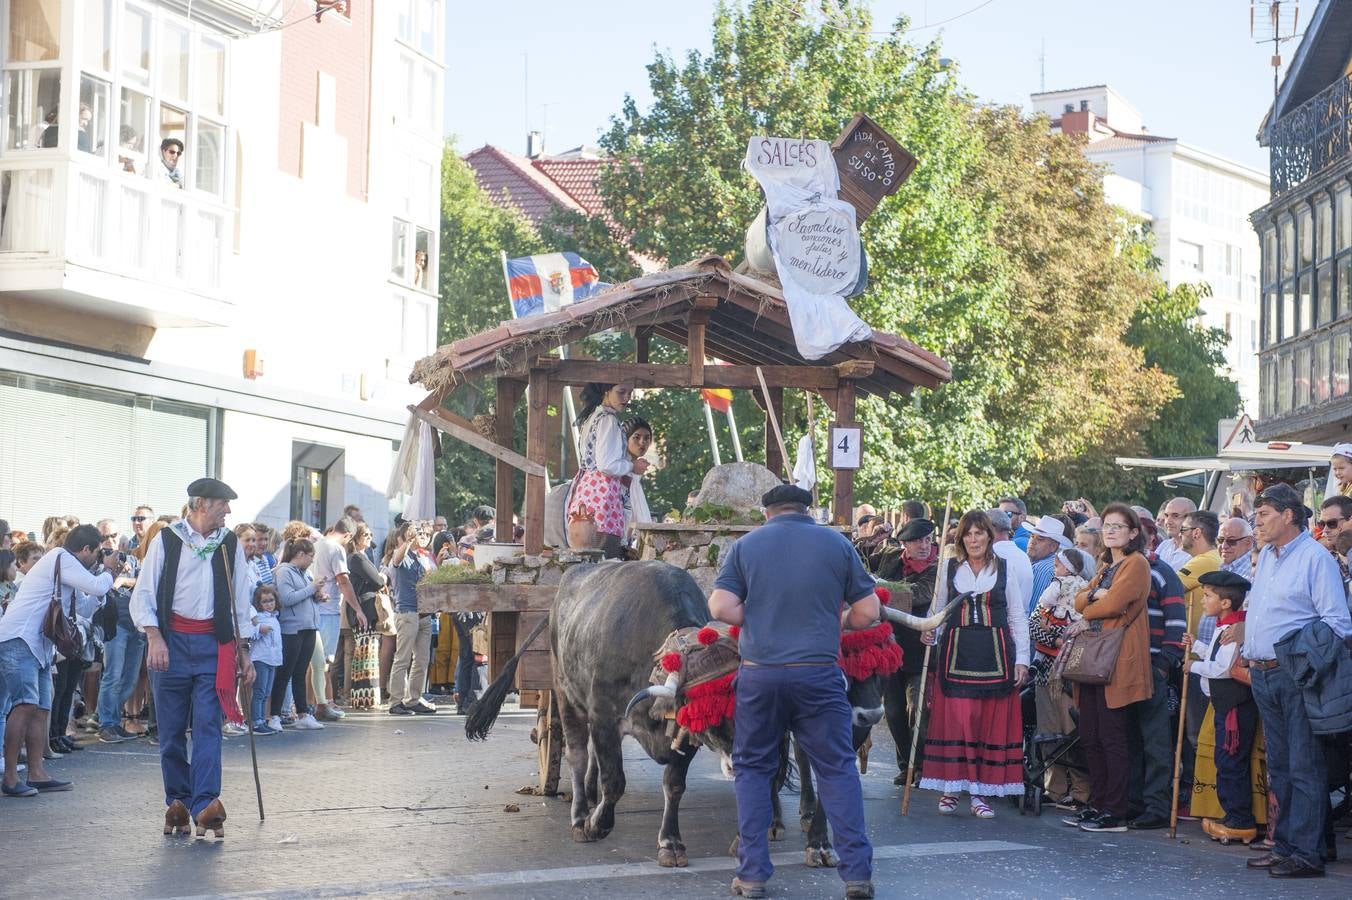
(974, 742)
(638, 435)
(595, 507)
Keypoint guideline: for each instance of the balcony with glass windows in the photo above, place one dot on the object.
(1306, 337)
(93, 216)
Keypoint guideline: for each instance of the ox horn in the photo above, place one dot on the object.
(918, 623)
(667, 690)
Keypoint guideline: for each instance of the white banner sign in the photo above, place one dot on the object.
(813, 238)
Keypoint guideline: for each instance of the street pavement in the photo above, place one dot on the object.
(401, 806)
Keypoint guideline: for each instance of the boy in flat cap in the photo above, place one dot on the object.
(785, 585)
(1234, 711)
(182, 601)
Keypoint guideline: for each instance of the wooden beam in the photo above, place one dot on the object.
(537, 426)
(504, 426)
(643, 337)
(843, 501)
(855, 368)
(470, 597)
(582, 371)
(694, 345)
(774, 460)
(705, 302)
(460, 429)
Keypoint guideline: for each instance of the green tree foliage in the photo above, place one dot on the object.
(473, 298)
(1000, 253)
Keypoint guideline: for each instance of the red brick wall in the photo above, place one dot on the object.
(340, 48)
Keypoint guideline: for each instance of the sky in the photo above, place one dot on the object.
(1189, 66)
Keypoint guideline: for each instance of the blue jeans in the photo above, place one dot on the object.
(811, 701)
(121, 668)
(186, 695)
(262, 689)
(1295, 759)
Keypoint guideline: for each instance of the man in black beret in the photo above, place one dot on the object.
(785, 585)
(196, 643)
(917, 567)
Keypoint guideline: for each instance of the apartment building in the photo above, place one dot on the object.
(251, 314)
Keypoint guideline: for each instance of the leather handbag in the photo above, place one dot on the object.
(57, 626)
(1090, 657)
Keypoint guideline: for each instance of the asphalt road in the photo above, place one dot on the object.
(389, 807)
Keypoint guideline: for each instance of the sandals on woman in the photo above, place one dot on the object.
(948, 805)
(981, 810)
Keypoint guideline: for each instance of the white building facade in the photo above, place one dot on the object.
(255, 314)
(1197, 204)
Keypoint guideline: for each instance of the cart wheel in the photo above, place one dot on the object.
(1026, 801)
(1038, 794)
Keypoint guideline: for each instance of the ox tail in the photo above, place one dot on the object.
(484, 711)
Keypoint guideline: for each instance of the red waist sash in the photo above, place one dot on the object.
(225, 663)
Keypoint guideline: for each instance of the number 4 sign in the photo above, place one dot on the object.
(846, 446)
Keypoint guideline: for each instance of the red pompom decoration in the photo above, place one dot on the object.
(709, 704)
(735, 632)
(884, 595)
(707, 635)
(870, 652)
(671, 662)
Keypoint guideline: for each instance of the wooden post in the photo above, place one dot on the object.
(695, 346)
(642, 342)
(843, 501)
(537, 439)
(774, 460)
(509, 392)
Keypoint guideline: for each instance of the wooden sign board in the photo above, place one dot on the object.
(846, 446)
(872, 164)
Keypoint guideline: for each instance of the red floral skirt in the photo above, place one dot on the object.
(974, 745)
(598, 497)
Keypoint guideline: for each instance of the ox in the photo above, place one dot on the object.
(607, 623)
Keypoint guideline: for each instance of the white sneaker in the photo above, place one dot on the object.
(233, 729)
(275, 723)
(307, 723)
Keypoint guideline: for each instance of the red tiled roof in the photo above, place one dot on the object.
(512, 180)
(578, 178)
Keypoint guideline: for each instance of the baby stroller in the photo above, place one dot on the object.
(1040, 753)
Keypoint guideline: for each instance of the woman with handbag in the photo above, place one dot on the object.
(1110, 670)
(974, 741)
(372, 588)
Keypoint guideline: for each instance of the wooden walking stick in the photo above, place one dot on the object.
(1178, 742)
(239, 677)
(924, 671)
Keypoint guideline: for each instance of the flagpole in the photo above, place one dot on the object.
(732, 427)
(709, 424)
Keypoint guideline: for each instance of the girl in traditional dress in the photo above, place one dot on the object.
(975, 737)
(596, 500)
(638, 438)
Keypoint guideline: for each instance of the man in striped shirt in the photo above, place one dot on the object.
(1149, 744)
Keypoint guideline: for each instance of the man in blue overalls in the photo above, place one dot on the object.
(785, 585)
(191, 574)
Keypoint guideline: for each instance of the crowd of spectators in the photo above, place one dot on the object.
(314, 596)
(1252, 758)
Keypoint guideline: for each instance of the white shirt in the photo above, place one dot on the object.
(611, 450)
(194, 594)
(26, 611)
(330, 562)
(1173, 555)
(1210, 668)
(1020, 571)
(1015, 601)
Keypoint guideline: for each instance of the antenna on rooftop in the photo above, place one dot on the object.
(1274, 22)
(1042, 64)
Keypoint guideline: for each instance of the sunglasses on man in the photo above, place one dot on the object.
(138, 518)
(1332, 523)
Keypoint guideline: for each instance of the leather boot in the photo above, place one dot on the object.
(212, 819)
(176, 818)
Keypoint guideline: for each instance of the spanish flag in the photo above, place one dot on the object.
(717, 398)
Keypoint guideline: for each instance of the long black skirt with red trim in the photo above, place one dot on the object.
(974, 745)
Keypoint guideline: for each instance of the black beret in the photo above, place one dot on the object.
(915, 529)
(1222, 578)
(786, 493)
(211, 489)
